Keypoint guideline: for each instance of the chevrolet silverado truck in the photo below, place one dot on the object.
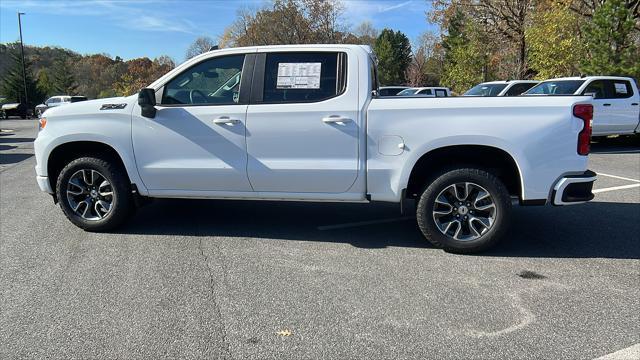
(305, 123)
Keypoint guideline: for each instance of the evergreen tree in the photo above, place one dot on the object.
(64, 82)
(393, 50)
(12, 85)
(610, 44)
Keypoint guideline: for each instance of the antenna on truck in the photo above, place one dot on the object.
(214, 47)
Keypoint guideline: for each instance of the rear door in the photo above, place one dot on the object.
(612, 112)
(302, 123)
(622, 104)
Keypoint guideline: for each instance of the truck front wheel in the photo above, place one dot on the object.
(464, 210)
(94, 193)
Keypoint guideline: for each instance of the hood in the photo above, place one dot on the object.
(107, 105)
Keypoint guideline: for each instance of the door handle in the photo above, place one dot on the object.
(634, 104)
(335, 119)
(225, 120)
(606, 104)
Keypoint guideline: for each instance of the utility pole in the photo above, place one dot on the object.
(24, 73)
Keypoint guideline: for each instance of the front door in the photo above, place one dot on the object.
(302, 124)
(196, 142)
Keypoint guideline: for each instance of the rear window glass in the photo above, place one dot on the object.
(302, 77)
(407, 92)
(622, 89)
(486, 90)
(556, 87)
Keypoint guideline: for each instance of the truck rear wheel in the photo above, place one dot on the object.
(464, 210)
(94, 194)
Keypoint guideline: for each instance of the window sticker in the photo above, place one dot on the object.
(621, 88)
(299, 75)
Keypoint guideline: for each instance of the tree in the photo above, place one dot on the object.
(466, 58)
(609, 38)
(200, 46)
(45, 84)
(555, 49)
(424, 69)
(12, 85)
(289, 22)
(64, 82)
(366, 34)
(394, 56)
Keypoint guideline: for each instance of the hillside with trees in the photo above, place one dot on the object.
(57, 71)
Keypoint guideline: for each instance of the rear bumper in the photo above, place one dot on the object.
(574, 189)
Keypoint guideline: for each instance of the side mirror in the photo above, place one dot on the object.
(147, 102)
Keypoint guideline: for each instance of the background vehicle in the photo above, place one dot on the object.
(501, 88)
(14, 109)
(390, 90)
(300, 122)
(426, 92)
(615, 100)
(58, 101)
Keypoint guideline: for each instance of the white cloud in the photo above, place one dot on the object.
(123, 13)
(358, 11)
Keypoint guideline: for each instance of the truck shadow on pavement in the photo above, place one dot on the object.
(624, 145)
(593, 230)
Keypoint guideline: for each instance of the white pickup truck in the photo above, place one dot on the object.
(616, 102)
(305, 123)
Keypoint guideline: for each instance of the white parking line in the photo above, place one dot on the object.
(614, 188)
(619, 177)
(363, 223)
(630, 353)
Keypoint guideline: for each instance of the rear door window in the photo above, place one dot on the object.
(303, 77)
(441, 93)
(425, 92)
(621, 89)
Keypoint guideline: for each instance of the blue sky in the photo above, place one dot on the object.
(136, 28)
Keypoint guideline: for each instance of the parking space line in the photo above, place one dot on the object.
(614, 188)
(630, 353)
(363, 223)
(619, 177)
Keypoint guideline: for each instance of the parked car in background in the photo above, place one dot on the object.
(615, 100)
(426, 92)
(501, 88)
(13, 109)
(58, 101)
(307, 125)
(390, 90)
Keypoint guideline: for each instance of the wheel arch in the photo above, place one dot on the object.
(491, 158)
(65, 152)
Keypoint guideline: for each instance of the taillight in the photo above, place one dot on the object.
(585, 113)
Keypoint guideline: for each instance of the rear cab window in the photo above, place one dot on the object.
(621, 89)
(298, 77)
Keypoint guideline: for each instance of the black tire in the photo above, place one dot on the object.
(122, 204)
(488, 237)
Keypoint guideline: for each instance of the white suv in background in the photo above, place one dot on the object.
(615, 101)
(501, 88)
(57, 101)
(426, 92)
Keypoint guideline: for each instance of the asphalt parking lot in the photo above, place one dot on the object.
(261, 280)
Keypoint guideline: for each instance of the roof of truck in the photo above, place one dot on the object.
(591, 78)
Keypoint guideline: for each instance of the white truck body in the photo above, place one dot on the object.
(616, 109)
(348, 147)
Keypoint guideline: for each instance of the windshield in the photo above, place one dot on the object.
(407, 92)
(555, 87)
(485, 90)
